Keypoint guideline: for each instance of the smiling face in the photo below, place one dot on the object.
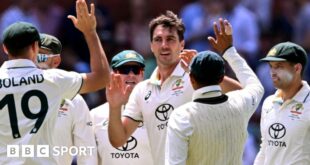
(166, 46)
(130, 78)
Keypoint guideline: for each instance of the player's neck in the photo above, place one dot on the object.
(290, 91)
(165, 71)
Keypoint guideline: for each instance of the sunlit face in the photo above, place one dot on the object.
(166, 46)
(127, 73)
(49, 59)
(282, 74)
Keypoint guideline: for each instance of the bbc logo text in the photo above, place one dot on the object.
(47, 151)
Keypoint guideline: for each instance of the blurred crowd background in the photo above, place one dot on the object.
(123, 24)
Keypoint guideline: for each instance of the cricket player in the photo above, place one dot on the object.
(30, 97)
(212, 128)
(73, 124)
(285, 118)
(136, 151)
(153, 100)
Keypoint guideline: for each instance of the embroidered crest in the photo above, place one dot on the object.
(178, 84)
(297, 108)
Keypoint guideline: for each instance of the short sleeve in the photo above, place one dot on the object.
(69, 83)
(132, 108)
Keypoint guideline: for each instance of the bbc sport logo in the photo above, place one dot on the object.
(47, 151)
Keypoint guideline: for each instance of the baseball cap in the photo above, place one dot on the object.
(19, 35)
(127, 56)
(287, 51)
(207, 65)
(50, 43)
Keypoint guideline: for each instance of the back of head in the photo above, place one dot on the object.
(207, 68)
(169, 20)
(287, 51)
(18, 36)
(50, 43)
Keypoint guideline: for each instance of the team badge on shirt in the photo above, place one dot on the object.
(296, 111)
(177, 87)
(63, 110)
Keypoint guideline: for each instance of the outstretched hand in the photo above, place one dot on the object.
(186, 57)
(84, 21)
(117, 94)
(224, 38)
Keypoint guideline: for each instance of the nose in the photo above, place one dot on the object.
(164, 44)
(131, 73)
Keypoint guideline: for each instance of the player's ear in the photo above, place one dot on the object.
(193, 81)
(56, 61)
(298, 68)
(5, 49)
(35, 47)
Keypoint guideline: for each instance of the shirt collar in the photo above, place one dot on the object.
(300, 96)
(177, 72)
(207, 92)
(18, 63)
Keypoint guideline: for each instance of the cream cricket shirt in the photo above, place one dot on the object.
(285, 129)
(214, 130)
(135, 152)
(151, 103)
(74, 131)
(29, 103)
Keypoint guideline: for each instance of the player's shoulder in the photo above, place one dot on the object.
(56, 71)
(102, 111)
(183, 110)
(78, 98)
(60, 74)
(100, 108)
(141, 86)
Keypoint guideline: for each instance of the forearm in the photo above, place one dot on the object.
(98, 62)
(229, 84)
(116, 129)
(242, 70)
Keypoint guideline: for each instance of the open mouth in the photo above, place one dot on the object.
(130, 82)
(165, 53)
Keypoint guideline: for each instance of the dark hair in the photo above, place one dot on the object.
(170, 20)
(204, 80)
(16, 52)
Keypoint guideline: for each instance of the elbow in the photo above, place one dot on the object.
(101, 82)
(116, 143)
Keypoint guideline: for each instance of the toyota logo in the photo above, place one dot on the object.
(162, 112)
(129, 145)
(277, 131)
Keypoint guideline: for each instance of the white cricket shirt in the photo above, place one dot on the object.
(74, 130)
(285, 129)
(212, 129)
(151, 103)
(29, 102)
(135, 152)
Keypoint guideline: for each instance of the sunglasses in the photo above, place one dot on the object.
(126, 69)
(44, 57)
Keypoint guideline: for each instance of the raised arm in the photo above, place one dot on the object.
(249, 81)
(119, 129)
(99, 76)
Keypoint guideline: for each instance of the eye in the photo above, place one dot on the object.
(157, 39)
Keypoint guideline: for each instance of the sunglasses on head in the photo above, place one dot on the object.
(126, 69)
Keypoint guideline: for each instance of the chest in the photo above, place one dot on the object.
(162, 100)
(291, 121)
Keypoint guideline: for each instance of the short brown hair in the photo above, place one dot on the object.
(170, 20)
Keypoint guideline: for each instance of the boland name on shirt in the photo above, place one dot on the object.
(20, 81)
